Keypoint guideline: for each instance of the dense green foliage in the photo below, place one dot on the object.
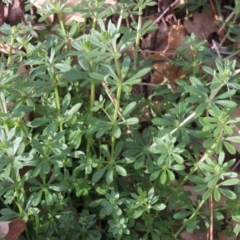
(75, 161)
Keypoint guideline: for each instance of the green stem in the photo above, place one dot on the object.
(138, 37)
(56, 92)
(207, 153)
(191, 217)
(117, 105)
(94, 23)
(11, 45)
(37, 225)
(16, 187)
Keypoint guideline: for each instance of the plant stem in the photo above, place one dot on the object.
(56, 91)
(138, 37)
(207, 153)
(117, 105)
(94, 23)
(191, 217)
(11, 45)
(60, 19)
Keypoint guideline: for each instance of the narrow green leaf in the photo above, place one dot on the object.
(181, 214)
(63, 67)
(228, 193)
(226, 103)
(216, 195)
(109, 176)
(233, 139)
(98, 174)
(129, 108)
(159, 207)
(208, 70)
(74, 109)
(230, 182)
(39, 122)
(140, 73)
(226, 94)
(154, 175)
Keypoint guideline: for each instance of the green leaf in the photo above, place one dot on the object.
(233, 139)
(98, 174)
(208, 70)
(159, 207)
(137, 213)
(140, 73)
(236, 218)
(49, 197)
(96, 203)
(38, 122)
(228, 193)
(129, 108)
(226, 94)
(216, 195)
(131, 121)
(231, 149)
(58, 187)
(63, 67)
(116, 131)
(207, 194)
(199, 187)
(151, 193)
(8, 212)
(230, 182)
(181, 214)
(163, 176)
(109, 176)
(65, 103)
(37, 198)
(74, 109)
(121, 171)
(154, 175)
(102, 131)
(226, 103)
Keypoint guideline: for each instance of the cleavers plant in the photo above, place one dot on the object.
(75, 161)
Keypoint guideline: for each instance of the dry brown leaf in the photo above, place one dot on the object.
(16, 12)
(175, 38)
(202, 25)
(166, 71)
(5, 48)
(222, 236)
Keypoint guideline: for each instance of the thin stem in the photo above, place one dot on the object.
(138, 37)
(11, 45)
(191, 217)
(207, 154)
(117, 105)
(56, 91)
(94, 23)
(63, 30)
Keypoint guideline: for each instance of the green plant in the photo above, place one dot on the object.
(75, 163)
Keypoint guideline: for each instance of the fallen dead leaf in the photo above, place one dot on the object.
(202, 25)
(166, 72)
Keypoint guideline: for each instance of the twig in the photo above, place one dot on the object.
(113, 100)
(164, 12)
